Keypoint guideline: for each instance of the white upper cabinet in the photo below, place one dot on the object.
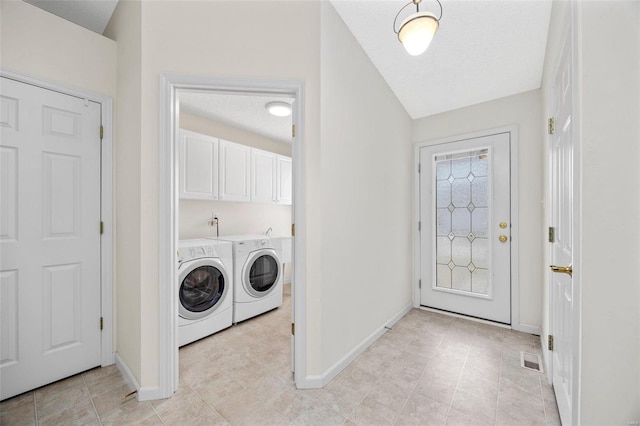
(216, 169)
(263, 176)
(284, 188)
(234, 173)
(198, 166)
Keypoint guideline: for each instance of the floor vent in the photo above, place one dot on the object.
(531, 362)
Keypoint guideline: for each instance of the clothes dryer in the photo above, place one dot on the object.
(258, 275)
(205, 288)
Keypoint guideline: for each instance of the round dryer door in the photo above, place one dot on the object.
(202, 285)
(261, 273)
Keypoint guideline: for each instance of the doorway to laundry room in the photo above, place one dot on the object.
(235, 207)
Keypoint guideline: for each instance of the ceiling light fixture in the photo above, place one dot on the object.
(418, 29)
(279, 109)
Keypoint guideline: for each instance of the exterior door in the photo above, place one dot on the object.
(560, 282)
(49, 236)
(465, 237)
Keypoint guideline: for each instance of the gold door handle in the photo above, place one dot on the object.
(562, 270)
(503, 238)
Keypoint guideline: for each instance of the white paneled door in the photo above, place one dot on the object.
(465, 236)
(49, 236)
(561, 278)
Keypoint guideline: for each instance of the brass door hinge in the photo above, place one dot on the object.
(550, 343)
(101, 132)
(101, 323)
(101, 227)
(293, 131)
(552, 234)
(551, 125)
(293, 329)
(293, 229)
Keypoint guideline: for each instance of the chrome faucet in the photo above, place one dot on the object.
(268, 233)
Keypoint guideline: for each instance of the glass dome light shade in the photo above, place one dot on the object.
(279, 109)
(417, 31)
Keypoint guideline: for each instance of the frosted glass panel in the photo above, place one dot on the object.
(462, 201)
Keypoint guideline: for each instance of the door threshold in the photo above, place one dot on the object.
(467, 317)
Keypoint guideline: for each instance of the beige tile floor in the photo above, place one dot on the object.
(430, 369)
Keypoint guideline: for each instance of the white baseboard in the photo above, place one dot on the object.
(128, 376)
(310, 382)
(336, 368)
(150, 393)
(526, 328)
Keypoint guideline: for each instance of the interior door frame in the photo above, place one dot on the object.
(168, 204)
(107, 355)
(515, 225)
(572, 29)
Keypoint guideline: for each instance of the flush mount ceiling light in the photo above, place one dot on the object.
(279, 109)
(418, 29)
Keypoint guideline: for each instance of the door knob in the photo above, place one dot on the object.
(562, 270)
(503, 238)
(503, 225)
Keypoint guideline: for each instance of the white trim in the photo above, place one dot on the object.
(168, 203)
(576, 77)
(127, 375)
(106, 213)
(515, 224)
(336, 368)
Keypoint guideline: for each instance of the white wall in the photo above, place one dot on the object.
(265, 40)
(524, 111)
(40, 44)
(366, 155)
(124, 27)
(609, 68)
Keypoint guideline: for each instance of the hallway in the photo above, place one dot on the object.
(430, 369)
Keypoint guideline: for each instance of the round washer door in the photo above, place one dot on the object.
(261, 272)
(203, 285)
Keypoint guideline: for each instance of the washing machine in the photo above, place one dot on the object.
(257, 268)
(205, 288)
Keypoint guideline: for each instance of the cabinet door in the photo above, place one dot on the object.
(198, 166)
(235, 163)
(284, 187)
(263, 176)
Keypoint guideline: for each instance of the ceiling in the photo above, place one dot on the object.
(484, 50)
(240, 111)
(91, 14)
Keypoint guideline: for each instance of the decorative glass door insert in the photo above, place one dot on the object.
(462, 204)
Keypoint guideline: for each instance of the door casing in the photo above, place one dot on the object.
(106, 201)
(168, 231)
(515, 225)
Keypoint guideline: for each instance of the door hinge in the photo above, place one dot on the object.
(420, 284)
(101, 323)
(552, 234)
(101, 132)
(551, 125)
(101, 227)
(293, 130)
(293, 229)
(419, 168)
(550, 343)
(293, 329)
(419, 226)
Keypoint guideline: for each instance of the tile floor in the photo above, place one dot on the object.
(430, 369)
